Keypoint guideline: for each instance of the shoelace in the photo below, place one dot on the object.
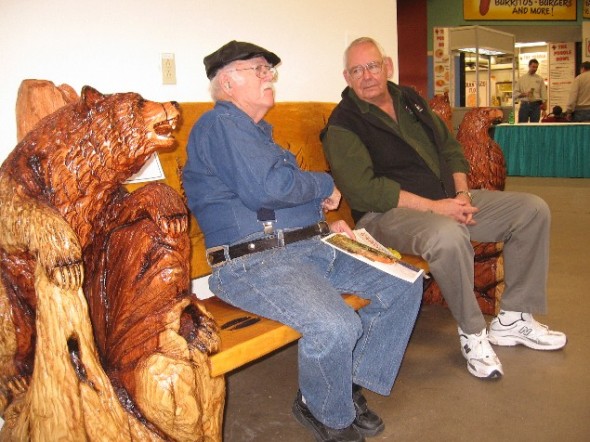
(538, 328)
(480, 342)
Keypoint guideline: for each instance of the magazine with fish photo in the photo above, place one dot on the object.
(372, 252)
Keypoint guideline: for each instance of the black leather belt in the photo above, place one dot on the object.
(219, 254)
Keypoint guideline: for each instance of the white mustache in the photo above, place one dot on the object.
(267, 85)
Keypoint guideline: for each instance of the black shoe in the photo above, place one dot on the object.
(320, 431)
(367, 422)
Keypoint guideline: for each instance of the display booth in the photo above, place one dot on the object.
(486, 66)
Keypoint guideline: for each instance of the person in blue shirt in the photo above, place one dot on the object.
(263, 219)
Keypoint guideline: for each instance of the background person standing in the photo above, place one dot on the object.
(578, 103)
(532, 92)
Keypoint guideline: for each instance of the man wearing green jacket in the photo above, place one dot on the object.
(405, 178)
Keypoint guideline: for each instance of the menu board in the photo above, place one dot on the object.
(562, 67)
(441, 61)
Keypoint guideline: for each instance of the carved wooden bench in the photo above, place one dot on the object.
(296, 127)
(245, 337)
(169, 380)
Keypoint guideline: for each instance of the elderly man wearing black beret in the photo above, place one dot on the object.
(263, 219)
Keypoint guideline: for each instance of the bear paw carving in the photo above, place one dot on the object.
(173, 225)
(59, 252)
(69, 276)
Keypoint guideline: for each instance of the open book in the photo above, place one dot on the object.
(370, 251)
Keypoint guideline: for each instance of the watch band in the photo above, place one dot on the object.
(465, 192)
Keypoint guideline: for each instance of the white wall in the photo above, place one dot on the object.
(116, 46)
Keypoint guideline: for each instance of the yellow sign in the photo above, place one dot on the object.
(586, 9)
(520, 9)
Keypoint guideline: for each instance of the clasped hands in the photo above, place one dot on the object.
(458, 208)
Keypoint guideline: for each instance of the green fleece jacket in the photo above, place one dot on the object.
(351, 163)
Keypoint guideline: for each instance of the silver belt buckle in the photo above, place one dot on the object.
(268, 227)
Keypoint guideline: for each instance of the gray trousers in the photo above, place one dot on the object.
(522, 221)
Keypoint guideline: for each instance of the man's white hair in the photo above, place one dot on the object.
(216, 88)
(359, 41)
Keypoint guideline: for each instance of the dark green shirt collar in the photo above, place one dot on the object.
(365, 106)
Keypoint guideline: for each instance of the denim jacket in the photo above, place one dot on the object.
(234, 168)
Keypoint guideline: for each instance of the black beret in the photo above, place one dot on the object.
(236, 50)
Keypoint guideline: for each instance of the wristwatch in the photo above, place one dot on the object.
(465, 192)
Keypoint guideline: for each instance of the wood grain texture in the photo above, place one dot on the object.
(114, 347)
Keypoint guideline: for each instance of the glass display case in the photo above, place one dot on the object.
(485, 70)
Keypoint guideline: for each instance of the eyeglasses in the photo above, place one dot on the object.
(261, 70)
(373, 67)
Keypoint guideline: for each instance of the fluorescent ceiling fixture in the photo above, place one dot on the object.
(480, 40)
(530, 45)
(481, 51)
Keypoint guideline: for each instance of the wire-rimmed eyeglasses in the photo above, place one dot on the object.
(373, 67)
(261, 70)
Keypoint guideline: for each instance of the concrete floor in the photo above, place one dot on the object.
(542, 396)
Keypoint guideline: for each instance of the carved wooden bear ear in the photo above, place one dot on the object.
(89, 97)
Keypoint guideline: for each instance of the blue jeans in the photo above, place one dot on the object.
(300, 285)
(530, 111)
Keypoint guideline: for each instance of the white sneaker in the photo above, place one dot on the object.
(513, 328)
(482, 362)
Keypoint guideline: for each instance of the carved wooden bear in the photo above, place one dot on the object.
(100, 337)
(488, 166)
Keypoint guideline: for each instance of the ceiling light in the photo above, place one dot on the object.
(483, 51)
(530, 44)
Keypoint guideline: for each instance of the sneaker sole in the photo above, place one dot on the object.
(495, 374)
(511, 341)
